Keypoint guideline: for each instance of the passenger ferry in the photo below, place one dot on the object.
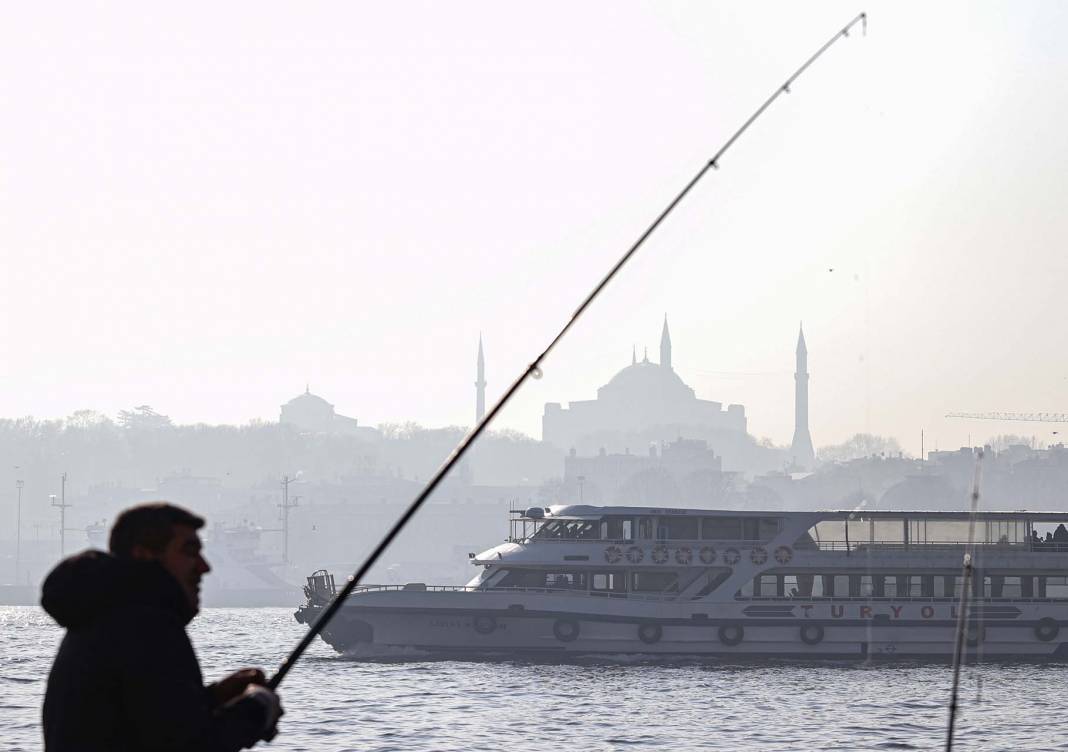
(585, 580)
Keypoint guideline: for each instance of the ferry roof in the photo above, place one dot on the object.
(586, 511)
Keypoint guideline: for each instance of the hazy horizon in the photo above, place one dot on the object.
(208, 210)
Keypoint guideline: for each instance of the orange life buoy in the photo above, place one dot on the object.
(684, 555)
(708, 554)
(613, 554)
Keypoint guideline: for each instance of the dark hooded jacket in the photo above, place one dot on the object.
(126, 676)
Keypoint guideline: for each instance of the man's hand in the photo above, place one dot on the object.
(233, 685)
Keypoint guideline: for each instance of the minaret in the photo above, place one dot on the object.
(480, 385)
(801, 448)
(665, 346)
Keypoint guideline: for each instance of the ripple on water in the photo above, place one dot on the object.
(403, 702)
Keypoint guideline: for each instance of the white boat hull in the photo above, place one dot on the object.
(489, 624)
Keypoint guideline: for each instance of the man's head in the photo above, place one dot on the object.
(165, 533)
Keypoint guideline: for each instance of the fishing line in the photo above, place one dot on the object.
(962, 615)
(534, 369)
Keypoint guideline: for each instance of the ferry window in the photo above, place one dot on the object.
(1005, 531)
(653, 582)
(713, 582)
(721, 528)
(945, 531)
(885, 531)
(645, 528)
(682, 528)
(579, 530)
(522, 578)
(768, 528)
(549, 530)
(1056, 587)
(616, 528)
(750, 529)
(789, 586)
(867, 589)
(841, 585)
(612, 581)
(902, 585)
(947, 587)
(1000, 586)
(566, 580)
(768, 586)
(809, 586)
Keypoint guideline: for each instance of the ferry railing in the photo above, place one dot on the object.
(575, 592)
(853, 546)
(892, 599)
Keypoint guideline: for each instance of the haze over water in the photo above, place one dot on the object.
(337, 703)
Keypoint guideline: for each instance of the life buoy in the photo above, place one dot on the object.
(660, 555)
(566, 630)
(731, 634)
(650, 633)
(635, 554)
(613, 554)
(485, 624)
(758, 555)
(812, 634)
(708, 554)
(731, 556)
(684, 555)
(1047, 629)
(974, 634)
(783, 554)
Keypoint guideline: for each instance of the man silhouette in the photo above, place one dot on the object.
(126, 676)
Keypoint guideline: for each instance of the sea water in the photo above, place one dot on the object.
(334, 702)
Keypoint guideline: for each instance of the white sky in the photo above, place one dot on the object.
(204, 206)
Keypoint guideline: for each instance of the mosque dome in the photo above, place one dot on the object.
(641, 380)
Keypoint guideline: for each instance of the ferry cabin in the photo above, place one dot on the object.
(613, 551)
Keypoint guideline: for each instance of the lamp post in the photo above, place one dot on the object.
(18, 532)
(285, 506)
(62, 505)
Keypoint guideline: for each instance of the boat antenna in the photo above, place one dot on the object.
(967, 570)
(534, 369)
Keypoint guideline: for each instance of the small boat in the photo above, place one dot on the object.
(586, 580)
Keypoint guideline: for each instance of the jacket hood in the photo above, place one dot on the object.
(84, 587)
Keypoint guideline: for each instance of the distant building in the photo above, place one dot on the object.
(645, 402)
(310, 413)
(683, 472)
(804, 456)
(480, 384)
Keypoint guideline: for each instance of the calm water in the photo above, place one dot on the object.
(334, 703)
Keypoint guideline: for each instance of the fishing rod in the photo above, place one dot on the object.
(967, 572)
(534, 369)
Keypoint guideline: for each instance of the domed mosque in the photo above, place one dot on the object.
(645, 402)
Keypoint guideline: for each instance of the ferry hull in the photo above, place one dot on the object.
(387, 630)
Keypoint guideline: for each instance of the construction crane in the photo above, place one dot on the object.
(1032, 417)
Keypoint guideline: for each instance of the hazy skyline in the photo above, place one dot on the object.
(206, 209)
